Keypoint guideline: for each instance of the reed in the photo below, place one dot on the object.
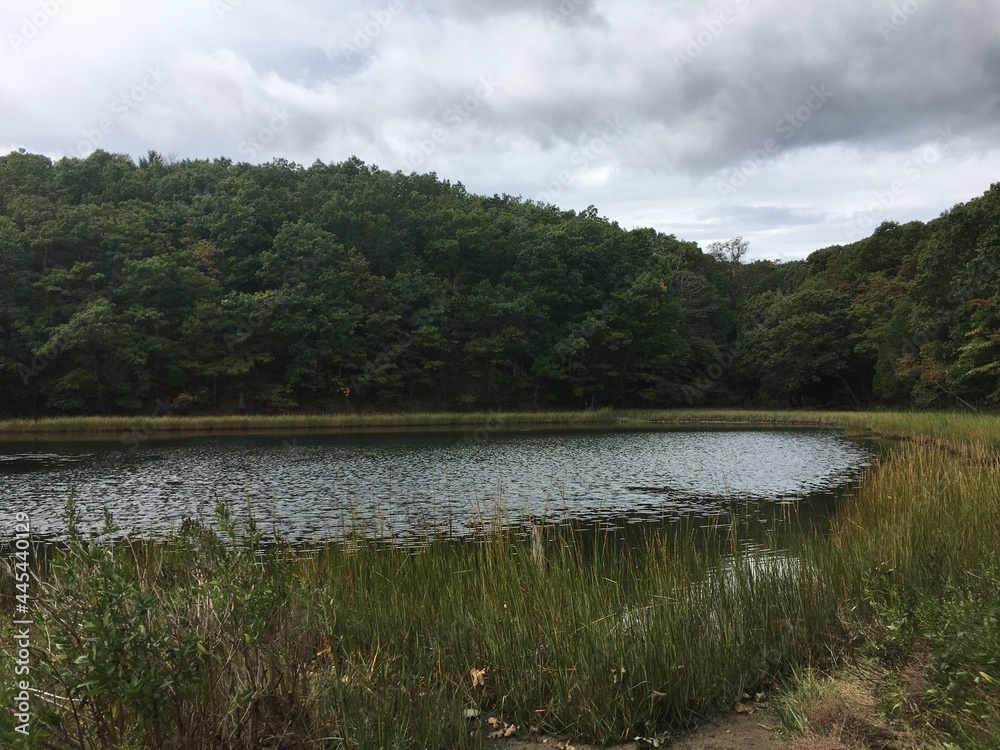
(358, 644)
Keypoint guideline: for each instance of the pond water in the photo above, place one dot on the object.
(406, 485)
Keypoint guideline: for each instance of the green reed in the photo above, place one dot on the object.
(216, 639)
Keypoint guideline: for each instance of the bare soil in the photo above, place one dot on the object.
(734, 731)
(847, 719)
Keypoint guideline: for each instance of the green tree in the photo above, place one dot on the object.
(798, 344)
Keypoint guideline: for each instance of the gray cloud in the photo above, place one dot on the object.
(780, 122)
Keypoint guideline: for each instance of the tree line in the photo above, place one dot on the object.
(214, 286)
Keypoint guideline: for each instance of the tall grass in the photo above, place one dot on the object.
(916, 559)
(179, 644)
(221, 641)
(925, 517)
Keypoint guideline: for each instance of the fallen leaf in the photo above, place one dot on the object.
(507, 730)
(741, 709)
(478, 676)
(325, 654)
(326, 650)
(493, 721)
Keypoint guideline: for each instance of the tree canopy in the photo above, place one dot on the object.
(216, 286)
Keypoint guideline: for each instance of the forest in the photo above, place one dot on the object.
(201, 286)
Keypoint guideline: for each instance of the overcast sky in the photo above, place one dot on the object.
(797, 125)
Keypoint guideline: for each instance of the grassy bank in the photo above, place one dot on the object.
(167, 424)
(955, 428)
(256, 422)
(203, 643)
(958, 429)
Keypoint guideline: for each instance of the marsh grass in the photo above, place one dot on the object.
(959, 430)
(917, 559)
(217, 639)
(360, 645)
(149, 426)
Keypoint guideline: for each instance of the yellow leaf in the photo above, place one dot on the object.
(478, 676)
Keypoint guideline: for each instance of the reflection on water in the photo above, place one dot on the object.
(309, 487)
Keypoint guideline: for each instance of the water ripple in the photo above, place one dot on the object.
(311, 487)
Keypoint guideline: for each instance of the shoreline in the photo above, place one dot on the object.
(960, 431)
(214, 423)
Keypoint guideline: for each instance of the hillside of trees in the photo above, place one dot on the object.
(212, 286)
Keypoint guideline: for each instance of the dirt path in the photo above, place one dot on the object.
(846, 718)
(840, 713)
(756, 731)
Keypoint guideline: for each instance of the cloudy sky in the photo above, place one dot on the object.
(796, 125)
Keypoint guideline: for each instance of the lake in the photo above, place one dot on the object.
(406, 485)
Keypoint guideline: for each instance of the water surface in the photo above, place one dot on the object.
(405, 485)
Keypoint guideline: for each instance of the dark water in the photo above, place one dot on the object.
(311, 487)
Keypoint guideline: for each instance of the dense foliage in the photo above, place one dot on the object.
(214, 286)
